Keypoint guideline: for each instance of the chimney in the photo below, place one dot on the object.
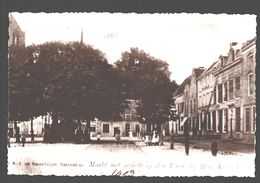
(232, 51)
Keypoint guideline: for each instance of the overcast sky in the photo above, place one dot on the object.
(183, 40)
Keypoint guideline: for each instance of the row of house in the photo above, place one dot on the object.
(220, 100)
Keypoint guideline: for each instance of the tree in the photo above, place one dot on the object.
(23, 87)
(148, 80)
(82, 85)
(71, 81)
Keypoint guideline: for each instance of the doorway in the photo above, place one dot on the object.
(116, 130)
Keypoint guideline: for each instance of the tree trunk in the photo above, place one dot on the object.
(87, 133)
(17, 134)
(32, 132)
(54, 134)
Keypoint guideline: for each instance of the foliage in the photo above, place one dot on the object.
(72, 81)
(148, 80)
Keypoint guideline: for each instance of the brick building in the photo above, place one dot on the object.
(16, 35)
(248, 53)
(225, 96)
(207, 99)
(186, 102)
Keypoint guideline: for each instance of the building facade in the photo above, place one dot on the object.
(225, 96)
(180, 96)
(186, 100)
(128, 123)
(248, 53)
(207, 99)
(16, 35)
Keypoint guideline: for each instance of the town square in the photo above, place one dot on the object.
(119, 94)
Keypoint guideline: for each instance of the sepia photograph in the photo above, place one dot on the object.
(131, 94)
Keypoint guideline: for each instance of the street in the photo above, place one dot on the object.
(124, 159)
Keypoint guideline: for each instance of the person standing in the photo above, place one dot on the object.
(23, 140)
(8, 141)
(147, 139)
(118, 138)
(130, 136)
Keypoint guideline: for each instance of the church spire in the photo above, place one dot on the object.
(81, 37)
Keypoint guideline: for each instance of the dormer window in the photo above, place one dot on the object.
(250, 58)
(128, 117)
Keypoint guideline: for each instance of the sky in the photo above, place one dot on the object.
(183, 40)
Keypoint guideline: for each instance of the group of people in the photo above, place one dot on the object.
(154, 139)
(22, 137)
(80, 135)
(118, 137)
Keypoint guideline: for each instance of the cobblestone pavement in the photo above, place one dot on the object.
(133, 159)
(225, 146)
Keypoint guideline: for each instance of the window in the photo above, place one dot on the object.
(231, 89)
(225, 91)
(185, 108)
(92, 129)
(17, 40)
(191, 106)
(188, 107)
(137, 128)
(238, 129)
(237, 83)
(215, 96)
(13, 38)
(201, 121)
(220, 120)
(204, 121)
(214, 120)
(250, 58)
(209, 121)
(149, 128)
(181, 129)
(128, 117)
(189, 125)
(220, 96)
(208, 98)
(105, 128)
(248, 120)
(250, 84)
(127, 129)
(197, 122)
(179, 125)
(254, 118)
(226, 120)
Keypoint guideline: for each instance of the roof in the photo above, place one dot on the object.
(210, 67)
(199, 71)
(181, 88)
(248, 42)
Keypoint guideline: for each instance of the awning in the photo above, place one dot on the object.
(184, 120)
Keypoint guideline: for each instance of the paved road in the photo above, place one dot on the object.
(136, 159)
